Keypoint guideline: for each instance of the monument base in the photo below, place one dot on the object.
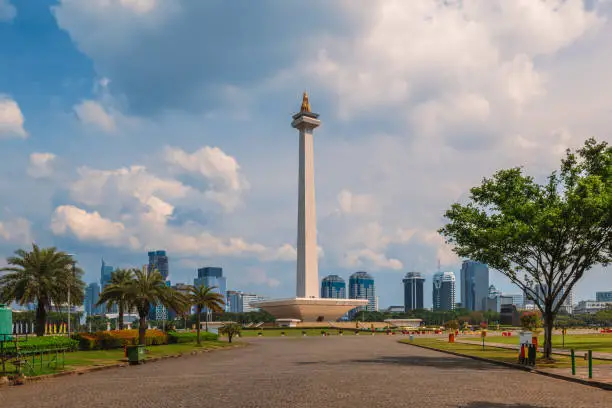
(309, 309)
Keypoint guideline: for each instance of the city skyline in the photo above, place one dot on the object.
(195, 155)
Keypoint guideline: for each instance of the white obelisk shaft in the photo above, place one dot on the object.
(307, 263)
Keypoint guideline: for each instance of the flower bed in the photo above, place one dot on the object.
(190, 337)
(118, 338)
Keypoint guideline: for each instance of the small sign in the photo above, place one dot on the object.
(525, 337)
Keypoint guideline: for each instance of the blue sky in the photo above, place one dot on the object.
(129, 125)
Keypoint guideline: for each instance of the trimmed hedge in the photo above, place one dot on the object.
(113, 339)
(190, 337)
(45, 343)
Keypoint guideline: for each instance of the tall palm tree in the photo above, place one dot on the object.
(202, 297)
(115, 293)
(149, 288)
(43, 276)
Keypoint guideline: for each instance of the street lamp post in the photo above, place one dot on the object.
(69, 287)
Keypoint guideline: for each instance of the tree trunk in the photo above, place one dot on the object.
(206, 320)
(229, 337)
(120, 317)
(41, 319)
(142, 330)
(198, 313)
(549, 319)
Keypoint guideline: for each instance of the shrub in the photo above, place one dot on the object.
(190, 337)
(46, 343)
(113, 339)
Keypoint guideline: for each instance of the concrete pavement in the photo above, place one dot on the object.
(347, 371)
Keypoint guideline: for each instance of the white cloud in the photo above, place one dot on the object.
(41, 165)
(11, 118)
(258, 276)
(351, 203)
(219, 169)
(90, 226)
(7, 11)
(16, 231)
(93, 113)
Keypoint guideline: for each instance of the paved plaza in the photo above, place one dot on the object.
(355, 371)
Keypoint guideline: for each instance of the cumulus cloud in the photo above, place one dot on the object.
(11, 118)
(351, 203)
(7, 11)
(93, 113)
(16, 231)
(41, 165)
(90, 226)
(219, 169)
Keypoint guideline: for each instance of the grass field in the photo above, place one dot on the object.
(509, 356)
(595, 342)
(80, 359)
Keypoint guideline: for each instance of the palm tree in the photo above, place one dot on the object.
(202, 297)
(149, 288)
(43, 276)
(115, 293)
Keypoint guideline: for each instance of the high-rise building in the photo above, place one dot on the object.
(212, 276)
(413, 291)
(444, 291)
(333, 287)
(474, 285)
(92, 295)
(361, 286)
(159, 260)
(105, 274)
(603, 296)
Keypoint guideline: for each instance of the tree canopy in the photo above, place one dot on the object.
(543, 237)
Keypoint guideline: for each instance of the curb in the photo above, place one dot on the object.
(592, 383)
(92, 369)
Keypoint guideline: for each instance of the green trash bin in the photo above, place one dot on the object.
(136, 354)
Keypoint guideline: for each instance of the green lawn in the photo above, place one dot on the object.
(80, 359)
(509, 356)
(595, 342)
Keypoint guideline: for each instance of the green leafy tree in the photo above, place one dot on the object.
(43, 276)
(202, 297)
(149, 288)
(115, 293)
(543, 237)
(230, 330)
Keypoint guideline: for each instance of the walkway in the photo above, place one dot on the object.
(348, 371)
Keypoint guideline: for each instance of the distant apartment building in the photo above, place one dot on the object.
(474, 285)
(591, 306)
(443, 294)
(239, 302)
(413, 291)
(518, 299)
(333, 287)
(603, 296)
(361, 286)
